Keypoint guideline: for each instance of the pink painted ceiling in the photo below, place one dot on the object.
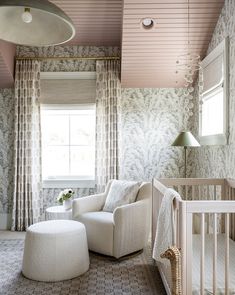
(148, 56)
(7, 53)
(97, 22)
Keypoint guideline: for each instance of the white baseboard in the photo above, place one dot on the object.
(5, 221)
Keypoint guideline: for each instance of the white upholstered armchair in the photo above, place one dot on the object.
(117, 234)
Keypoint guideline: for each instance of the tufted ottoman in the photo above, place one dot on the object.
(55, 250)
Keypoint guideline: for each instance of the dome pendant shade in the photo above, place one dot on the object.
(49, 24)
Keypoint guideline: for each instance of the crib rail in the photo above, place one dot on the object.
(196, 188)
(215, 208)
(203, 208)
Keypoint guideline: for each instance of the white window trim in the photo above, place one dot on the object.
(72, 183)
(88, 106)
(85, 181)
(217, 139)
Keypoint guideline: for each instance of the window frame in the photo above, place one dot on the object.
(69, 181)
(217, 139)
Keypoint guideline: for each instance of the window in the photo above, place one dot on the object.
(213, 115)
(68, 144)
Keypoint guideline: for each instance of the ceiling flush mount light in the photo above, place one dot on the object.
(147, 23)
(34, 23)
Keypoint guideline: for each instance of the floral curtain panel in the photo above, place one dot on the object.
(27, 149)
(108, 93)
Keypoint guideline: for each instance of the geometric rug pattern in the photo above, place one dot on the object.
(135, 275)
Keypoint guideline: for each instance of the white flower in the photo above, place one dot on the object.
(60, 195)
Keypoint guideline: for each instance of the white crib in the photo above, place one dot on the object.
(205, 233)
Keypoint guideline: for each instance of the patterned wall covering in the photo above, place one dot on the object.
(68, 51)
(49, 195)
(219, 161)
(150, 120)
(6, 149)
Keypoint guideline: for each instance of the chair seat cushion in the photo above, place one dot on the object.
(121, 192)
(99, 227)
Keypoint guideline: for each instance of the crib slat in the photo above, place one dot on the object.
(214, 192)
(227, 254)
(233, 219)
(189, 252)
(208, 192)
(178, 189)
(208, 215)
(193, 192)
(202, 264)
(186, 192)
(214, 252)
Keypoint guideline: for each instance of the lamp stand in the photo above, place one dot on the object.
(185, 162)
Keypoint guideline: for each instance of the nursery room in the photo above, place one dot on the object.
(117, 147)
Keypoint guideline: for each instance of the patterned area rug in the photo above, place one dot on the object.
(135, 275)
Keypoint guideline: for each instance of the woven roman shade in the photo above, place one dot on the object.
(67, 91)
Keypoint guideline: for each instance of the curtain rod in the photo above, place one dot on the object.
(70, 58)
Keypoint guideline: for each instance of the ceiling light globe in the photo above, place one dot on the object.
(27, 17)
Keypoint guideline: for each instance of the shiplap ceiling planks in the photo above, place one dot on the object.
(97, 22)
(7, 53)
(6, 77)
(149, 55)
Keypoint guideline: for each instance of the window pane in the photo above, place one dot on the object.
(212, 114)
(68, 142)
(82, 160)
(55, 129)
(82, 129)
(55, 161)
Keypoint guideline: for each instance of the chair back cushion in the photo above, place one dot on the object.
(121, 192)
(145, 191)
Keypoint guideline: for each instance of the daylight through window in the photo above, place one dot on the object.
(68, 143)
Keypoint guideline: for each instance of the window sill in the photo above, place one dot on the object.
(68, 183)
(217, 139)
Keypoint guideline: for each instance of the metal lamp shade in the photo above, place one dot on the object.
(49, 26)
(185, 138)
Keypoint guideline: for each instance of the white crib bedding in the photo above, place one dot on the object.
(209, 265)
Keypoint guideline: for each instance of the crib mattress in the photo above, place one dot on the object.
(209, 265)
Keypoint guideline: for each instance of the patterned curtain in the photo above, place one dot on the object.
(27, 149)
(108, 93)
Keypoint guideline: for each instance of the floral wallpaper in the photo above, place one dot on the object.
(219, 161)
(49, 195)
(68, 51)
(6, 149)
(150, 121)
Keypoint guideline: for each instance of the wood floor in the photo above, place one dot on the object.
(8, 235)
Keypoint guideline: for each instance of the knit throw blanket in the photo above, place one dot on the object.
(165, 234)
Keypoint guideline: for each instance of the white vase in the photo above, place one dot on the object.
(67, 204)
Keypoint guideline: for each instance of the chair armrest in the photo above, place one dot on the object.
(131, 227)
(88, 204)
(130, 212)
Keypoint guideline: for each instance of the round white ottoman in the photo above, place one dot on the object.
(55, 250)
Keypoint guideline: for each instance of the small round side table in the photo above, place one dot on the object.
(58, 212)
